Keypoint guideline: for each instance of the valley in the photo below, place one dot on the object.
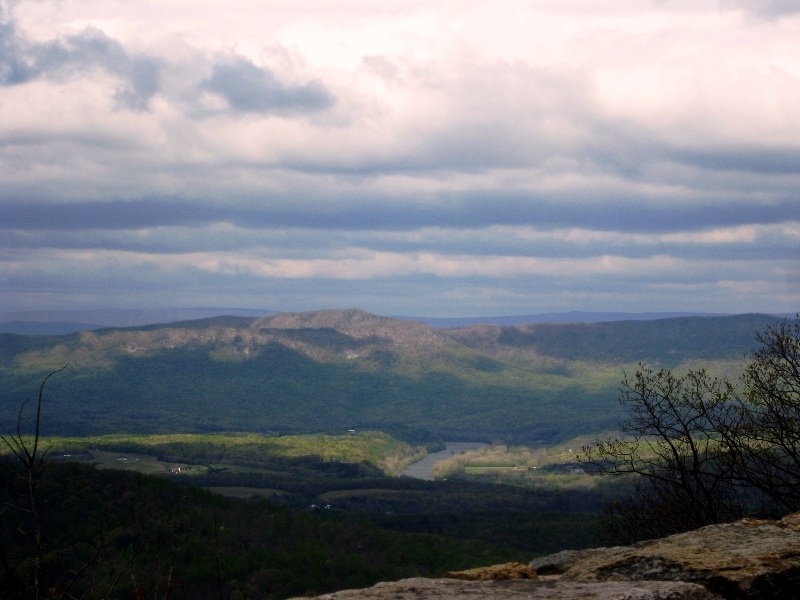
(354, 478)
(423, 468)
(319, 443)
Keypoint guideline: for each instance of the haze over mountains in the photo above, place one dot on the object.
(58, 322)
(331, 371)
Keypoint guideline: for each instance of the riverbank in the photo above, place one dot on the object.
(422, 469)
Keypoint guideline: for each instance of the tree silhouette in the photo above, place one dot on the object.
(31, 464)
(704, 450)
(28, 462)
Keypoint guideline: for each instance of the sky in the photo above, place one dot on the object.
(440, 159)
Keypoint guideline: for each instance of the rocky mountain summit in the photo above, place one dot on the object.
(750, 559)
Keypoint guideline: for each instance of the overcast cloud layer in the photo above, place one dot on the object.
(434, 159)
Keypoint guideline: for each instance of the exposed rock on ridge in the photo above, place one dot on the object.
(358, 324)
(525, 589)
(747, 559)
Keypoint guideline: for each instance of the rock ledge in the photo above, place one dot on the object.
(747, 560)
(513, 570)
(525, 589)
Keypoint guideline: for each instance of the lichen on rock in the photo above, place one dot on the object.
(512, 570)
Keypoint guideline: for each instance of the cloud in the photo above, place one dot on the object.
(248, 88)
(243, 85)
(13, 66)
(455, 211)
(380, 279)
(777, 242)
(549, 156)
(754, 160)
(23, 60)
(365, 264)
(140, 74)
(765, 8)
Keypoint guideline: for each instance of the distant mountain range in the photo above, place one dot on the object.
(59, 322)
(561, 317)
(335, 370)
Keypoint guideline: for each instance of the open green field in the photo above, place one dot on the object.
(556, 466)
(242, 452)
(242, 455)
(328, 474)
(480, 470)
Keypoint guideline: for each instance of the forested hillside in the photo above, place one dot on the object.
(154, 537)
(662, 342)
(330, 371)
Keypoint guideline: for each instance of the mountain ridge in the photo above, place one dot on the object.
(335, 370)
(33, 322)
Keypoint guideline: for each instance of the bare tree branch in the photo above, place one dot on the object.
(704, 450)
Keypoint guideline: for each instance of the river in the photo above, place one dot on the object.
(422, 468)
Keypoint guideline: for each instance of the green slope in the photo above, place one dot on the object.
(665, 342)
(330, 371)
